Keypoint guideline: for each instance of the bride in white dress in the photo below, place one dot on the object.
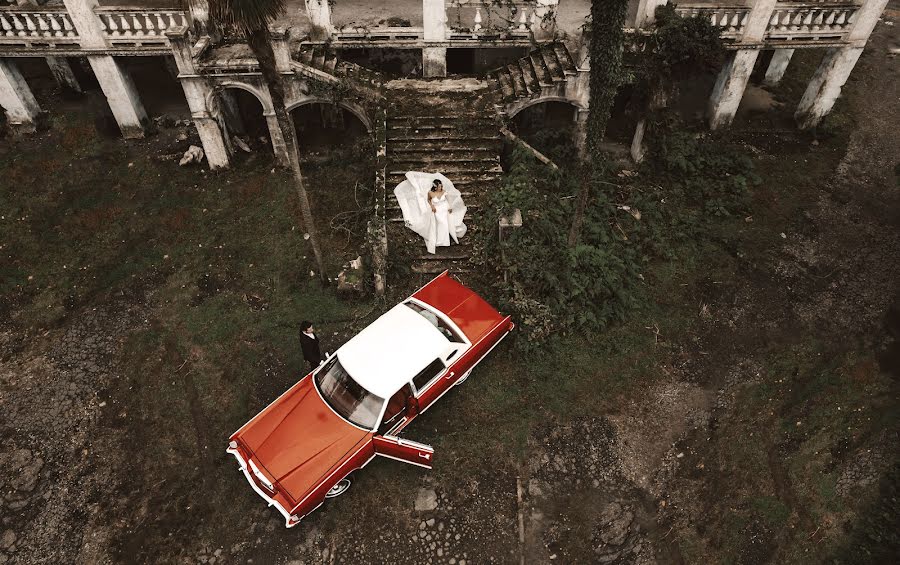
(440, 207)
(436, 215)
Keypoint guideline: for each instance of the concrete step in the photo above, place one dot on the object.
(475, 160)
(515, 73)
(548, 55)
(442, 134)
(506, 84)
(468, 169)
(437, 267)
(540, 69)
(462, 144)
(409, 128)
(529, 76)
(565, 58)
(471, 179)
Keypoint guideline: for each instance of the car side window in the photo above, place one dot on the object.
(433, 369)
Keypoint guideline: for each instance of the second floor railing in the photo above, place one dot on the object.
(498, 18)
(28, 25)
(124, 25)
(789, 20)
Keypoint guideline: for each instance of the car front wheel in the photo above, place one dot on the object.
(339, 488)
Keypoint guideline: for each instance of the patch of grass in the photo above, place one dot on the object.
(773, 512)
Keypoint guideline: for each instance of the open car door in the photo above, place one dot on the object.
(404, 450)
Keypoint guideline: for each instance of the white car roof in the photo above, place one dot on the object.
(392, 350)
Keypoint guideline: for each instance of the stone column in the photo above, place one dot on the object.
(434, 20)
(65, 78)
(730, 85)
(779, 63)
(86, 22)
(280, 48)
(733, 77)
(834, 70)
(121, 95)
(279, 146)
(434, 62)
(646, 12)
(198, 94)
(22, 110)
(319, 12)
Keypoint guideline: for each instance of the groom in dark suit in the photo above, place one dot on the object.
(309, 344)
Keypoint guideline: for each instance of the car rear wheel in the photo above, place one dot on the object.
(339, 488)
(464, 377)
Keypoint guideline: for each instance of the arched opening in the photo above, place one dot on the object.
(242, 117)
(321, 124)
(547, 126)
(337, 156)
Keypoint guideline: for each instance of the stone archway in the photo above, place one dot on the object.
(351, 107)
(516, 107)
(240, 111)
(549, 122)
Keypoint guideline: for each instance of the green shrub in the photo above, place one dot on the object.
(688, 184)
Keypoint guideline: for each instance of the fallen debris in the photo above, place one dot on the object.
(194, 154)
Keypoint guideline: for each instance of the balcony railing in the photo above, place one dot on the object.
(819, 20)
(730, 19)
(28, 26)
(484, 19)
(794, 20)
(137, 26)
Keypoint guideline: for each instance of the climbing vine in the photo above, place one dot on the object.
(607, 73)
(679, 49)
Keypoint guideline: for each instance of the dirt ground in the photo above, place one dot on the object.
(747, 418)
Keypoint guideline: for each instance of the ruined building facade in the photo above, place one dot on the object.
(308, 43)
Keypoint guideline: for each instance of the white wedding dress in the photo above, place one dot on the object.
(436, 228)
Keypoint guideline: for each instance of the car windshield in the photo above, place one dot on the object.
(350, 400)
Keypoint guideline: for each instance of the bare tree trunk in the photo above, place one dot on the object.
(580, 207)
(261, 44)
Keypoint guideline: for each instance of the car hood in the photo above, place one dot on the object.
(298, 439)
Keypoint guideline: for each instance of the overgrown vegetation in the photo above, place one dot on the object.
(690, 183)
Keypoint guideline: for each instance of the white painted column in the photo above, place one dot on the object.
(732, 80)
(319, 12)
(120, 92)
(198, 94)
(777, 66)
(834, 70)
(646, 12)
(22, 110)
(62, 72)
(434, 21)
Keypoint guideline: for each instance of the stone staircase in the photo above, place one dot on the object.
(451, 132)
(547, 66)
(323, 59)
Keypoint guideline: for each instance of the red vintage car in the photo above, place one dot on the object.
(302, 448)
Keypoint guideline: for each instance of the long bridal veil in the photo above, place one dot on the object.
(412, 195)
